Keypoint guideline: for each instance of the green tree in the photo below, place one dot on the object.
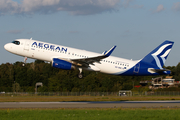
(16, 87)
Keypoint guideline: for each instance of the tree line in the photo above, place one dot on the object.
(17, 78)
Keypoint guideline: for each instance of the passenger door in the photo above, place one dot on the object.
(26, 45)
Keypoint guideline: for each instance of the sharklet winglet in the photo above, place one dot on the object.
(108, 53)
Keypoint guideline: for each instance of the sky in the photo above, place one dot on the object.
(135, 26)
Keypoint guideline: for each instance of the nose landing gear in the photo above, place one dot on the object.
(25, 59)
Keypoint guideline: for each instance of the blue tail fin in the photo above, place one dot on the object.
(159, 55)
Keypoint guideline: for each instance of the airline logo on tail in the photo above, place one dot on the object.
(161, 54)
(152, 64)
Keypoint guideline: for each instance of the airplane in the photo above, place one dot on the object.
(68, 58)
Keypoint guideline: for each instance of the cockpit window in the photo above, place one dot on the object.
(16, 42)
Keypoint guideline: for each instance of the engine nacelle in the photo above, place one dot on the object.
(62, 64)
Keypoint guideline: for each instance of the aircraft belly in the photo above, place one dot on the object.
(92, 68)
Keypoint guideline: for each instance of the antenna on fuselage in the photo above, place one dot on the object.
(30, 38)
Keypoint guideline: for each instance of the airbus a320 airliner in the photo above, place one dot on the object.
(67, 58)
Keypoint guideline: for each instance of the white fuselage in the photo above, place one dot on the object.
(47, 51)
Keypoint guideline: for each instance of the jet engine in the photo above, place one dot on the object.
(62, 64)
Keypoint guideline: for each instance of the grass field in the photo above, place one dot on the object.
(90, 114)
(82, 98)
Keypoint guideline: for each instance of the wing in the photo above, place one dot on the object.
(84, 62)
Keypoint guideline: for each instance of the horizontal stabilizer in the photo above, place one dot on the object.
(152, 70)
(161, 70)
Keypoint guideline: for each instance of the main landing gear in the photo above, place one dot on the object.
(25, 58)
(80, 76)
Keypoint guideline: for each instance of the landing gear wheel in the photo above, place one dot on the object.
(80, 73)
(80, 76)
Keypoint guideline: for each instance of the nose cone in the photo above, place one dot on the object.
(7, 47)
